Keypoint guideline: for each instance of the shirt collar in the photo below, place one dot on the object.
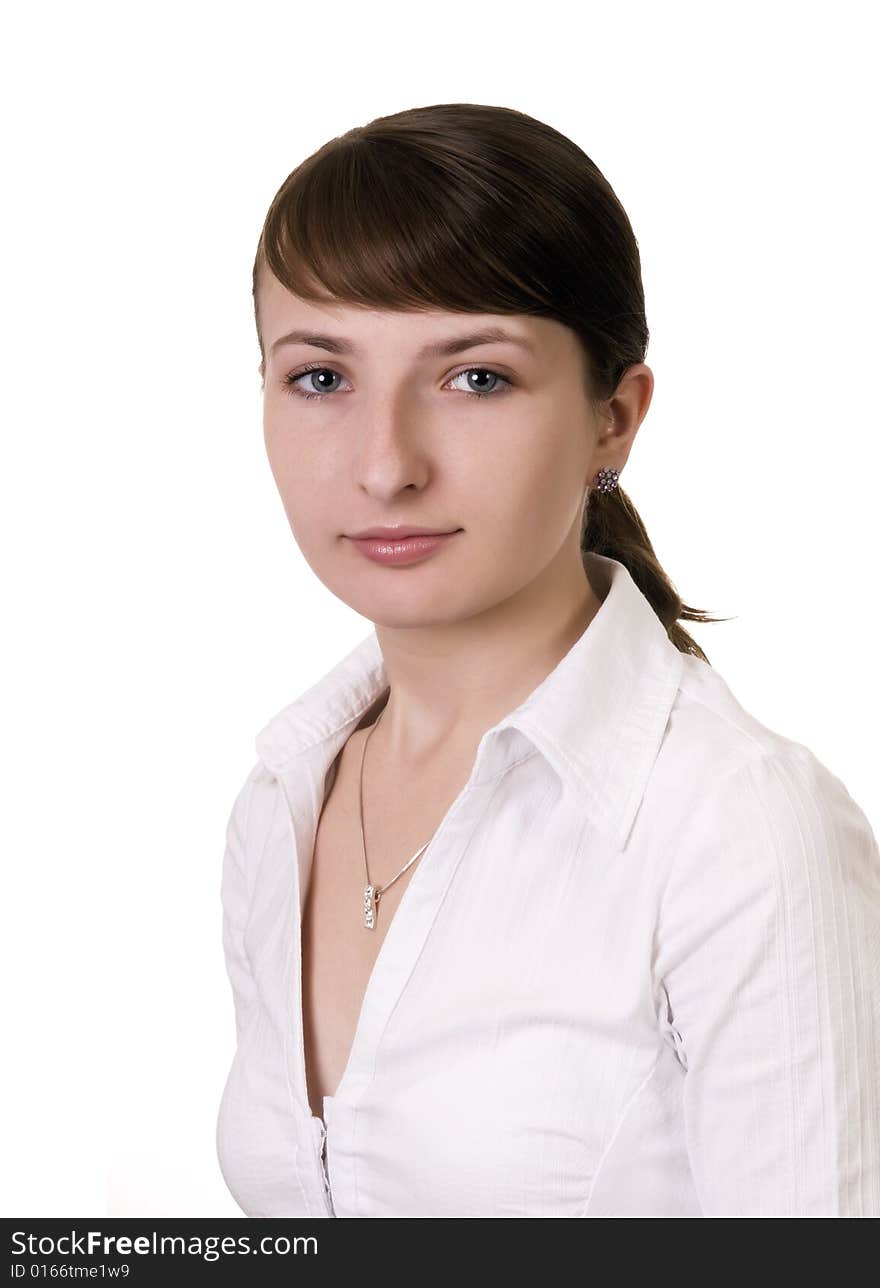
(598, 718)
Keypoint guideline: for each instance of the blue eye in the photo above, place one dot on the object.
(291, 381)
(292, 385)
(485, 371)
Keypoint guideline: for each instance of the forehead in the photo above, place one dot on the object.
(363, 327)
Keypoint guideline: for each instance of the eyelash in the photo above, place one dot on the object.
(289, 381)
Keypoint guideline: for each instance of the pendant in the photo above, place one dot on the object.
(371, 903)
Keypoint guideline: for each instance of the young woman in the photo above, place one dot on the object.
(524, 914)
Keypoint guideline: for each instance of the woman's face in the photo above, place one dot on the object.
(398, 435)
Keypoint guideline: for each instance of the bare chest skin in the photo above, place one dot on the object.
(338, 952)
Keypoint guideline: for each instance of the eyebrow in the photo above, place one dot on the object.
(437, 349)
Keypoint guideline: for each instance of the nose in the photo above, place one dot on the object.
(392, 453)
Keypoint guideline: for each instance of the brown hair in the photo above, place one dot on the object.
(467, 207)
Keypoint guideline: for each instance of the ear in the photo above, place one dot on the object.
(622, 414)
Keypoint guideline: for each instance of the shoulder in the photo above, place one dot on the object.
(727, 791)
(762, 820)
(709, 723)
(712, 745)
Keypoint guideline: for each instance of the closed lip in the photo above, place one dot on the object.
(404, 530)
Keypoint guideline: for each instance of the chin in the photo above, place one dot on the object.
(408, 607)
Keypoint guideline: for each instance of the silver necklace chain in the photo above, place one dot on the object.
(372, 893)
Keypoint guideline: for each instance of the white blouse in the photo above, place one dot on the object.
(635, 972)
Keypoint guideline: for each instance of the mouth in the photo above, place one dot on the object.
(410, 548)
(399, 532)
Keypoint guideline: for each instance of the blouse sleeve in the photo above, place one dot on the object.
(768, 953)
(235, 900)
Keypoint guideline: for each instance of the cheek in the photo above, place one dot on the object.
(535, 495)
(298, 478)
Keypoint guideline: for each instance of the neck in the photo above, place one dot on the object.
(449, 683)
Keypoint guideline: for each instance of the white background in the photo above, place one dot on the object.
(158, 610)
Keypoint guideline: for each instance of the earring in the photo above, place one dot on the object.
(606, 480)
